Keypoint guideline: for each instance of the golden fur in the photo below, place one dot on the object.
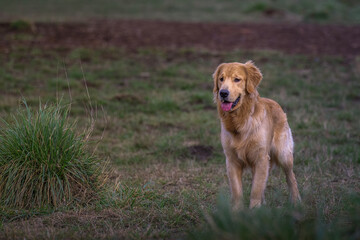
(254, 133)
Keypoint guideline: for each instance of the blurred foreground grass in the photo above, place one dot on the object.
(285, 223)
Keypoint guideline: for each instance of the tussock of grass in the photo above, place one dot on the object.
(44, 162)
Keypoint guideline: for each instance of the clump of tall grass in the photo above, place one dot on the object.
(44, 161)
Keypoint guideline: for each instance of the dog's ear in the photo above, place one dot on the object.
(216, 77)
(254, 77)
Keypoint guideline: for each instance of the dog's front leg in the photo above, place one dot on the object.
(234, 172)
(260, 174)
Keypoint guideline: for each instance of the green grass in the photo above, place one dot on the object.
(44, 162)
(325, 11)
(160, 132)
(278, 223)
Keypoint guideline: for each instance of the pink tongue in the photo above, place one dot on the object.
(226, 106)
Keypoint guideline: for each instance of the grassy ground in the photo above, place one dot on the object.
(160, 132)
(325, 11)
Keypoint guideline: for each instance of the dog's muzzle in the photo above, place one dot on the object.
(227, 106)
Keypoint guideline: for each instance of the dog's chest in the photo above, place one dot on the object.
(245, 145)
(240, 145)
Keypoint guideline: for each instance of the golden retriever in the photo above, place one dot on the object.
(254, 132)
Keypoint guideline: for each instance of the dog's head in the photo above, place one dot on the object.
(233, 81)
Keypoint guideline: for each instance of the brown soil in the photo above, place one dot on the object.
(132, 34)
(201, 152)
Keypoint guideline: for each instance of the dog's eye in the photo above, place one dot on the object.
(221, 79)
(237, 80)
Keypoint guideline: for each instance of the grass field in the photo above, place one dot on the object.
(158, 127)
(324, 11)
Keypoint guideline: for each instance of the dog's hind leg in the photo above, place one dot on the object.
(283, 151)
(291, 180)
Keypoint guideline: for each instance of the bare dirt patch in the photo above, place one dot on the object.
(133, 34)
(200, 152)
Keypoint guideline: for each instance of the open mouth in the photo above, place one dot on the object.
(227, 106)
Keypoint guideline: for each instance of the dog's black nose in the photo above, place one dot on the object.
(224, 93)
